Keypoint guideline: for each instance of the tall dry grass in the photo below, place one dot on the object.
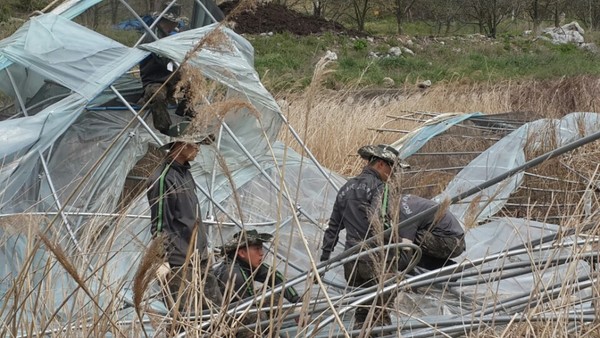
(339, 122)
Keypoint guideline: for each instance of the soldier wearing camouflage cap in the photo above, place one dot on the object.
(243, 266)
(384, 152)
(357, 203)
(176, 218)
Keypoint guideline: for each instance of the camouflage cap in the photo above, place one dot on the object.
(246, 238)
(382, 151)
(180, 132)
(172, 14)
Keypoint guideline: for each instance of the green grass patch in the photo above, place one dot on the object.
(287, 62)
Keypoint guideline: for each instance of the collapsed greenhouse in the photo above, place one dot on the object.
(72, 239)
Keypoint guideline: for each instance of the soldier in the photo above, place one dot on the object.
(440, 239)
(176, 218)
(359, 202)
(243, 266)
(158, 73)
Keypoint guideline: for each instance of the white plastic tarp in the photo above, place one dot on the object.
(509, 153)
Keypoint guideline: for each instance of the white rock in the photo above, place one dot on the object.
(569, 33)
(388, 82)
(332, 56)
(408, 51)
(591, 47)
(395, 51)
(424, 84)
(372, 55)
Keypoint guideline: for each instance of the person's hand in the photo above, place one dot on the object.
(163, 271)
(325, 256)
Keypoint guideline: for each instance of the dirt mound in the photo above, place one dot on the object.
(270, 17)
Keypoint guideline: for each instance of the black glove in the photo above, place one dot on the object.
(325, 256)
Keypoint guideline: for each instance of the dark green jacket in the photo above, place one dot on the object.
(241, 274)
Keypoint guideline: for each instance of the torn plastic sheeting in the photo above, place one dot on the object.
(51, 46)
(415, 140)
(509, 153)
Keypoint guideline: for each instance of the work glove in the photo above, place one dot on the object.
(163, 271)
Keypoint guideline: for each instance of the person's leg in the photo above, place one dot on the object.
(182, 290)
(364, 274)
(156, 95)
(176, 298)
(440, 247)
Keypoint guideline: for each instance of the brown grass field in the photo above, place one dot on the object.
(336, 124)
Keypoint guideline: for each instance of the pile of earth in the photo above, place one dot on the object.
(275, 18)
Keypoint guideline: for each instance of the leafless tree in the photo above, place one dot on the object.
(400, 8)
(489, 14)
(587, 12)
(442, 16)
(360, 9)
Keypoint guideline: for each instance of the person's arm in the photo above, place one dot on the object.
(236, 280)
(272, 276)
(289, 292)
(332, 233)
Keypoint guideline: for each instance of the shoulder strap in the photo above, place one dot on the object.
(384, 207)
(161, 194)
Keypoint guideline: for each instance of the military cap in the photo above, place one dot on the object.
(246, 238)
(382, 151)
(172, 14)
(180, 132)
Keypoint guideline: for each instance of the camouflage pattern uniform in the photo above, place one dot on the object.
(440, 241)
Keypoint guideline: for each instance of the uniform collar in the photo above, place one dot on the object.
(179, 166)
(371, 171)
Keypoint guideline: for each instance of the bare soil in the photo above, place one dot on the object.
(270, 17)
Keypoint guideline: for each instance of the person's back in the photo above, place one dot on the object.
(159, 74)
(439, 239)
(411, 205)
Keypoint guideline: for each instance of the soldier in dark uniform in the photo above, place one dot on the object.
(159, 76)
(243, 266)
(176, 220)
(361, 203)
